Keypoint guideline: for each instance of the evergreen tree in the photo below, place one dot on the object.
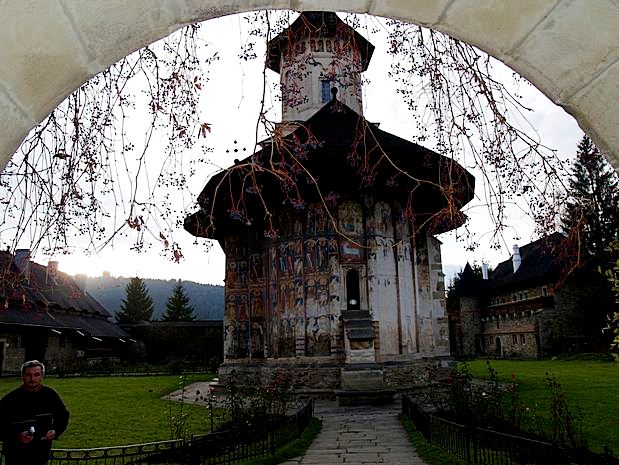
(178, 308)
(138, 305)
(592, 212)
(613, 318)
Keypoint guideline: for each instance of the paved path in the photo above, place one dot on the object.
(359, 435)
(351, 435)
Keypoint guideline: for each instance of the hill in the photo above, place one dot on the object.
(207, 299)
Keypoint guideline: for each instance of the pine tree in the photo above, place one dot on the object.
(592, 211)
(138, 305)
(178, 308)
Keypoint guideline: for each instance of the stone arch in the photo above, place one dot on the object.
(567, 49)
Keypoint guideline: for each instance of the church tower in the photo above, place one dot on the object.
(316, 54)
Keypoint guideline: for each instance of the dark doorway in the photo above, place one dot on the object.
(352, 290)
(499, 351)
(34, 342)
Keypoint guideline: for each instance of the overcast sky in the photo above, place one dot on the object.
(230, 103)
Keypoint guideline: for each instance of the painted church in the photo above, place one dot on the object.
(333, 271)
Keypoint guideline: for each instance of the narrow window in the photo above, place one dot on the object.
(514, 339)
(352, 290)
(523, 339)
(545, 291)
(326, 90)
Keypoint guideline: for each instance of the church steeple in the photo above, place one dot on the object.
(315, 54)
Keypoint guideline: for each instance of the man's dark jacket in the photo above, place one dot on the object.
(18, 410)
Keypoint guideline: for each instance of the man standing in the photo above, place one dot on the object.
(31, 416)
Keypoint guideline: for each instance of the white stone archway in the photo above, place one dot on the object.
(569, 49)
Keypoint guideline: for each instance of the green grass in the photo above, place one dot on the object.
(591, 388)
(112, 411)
(430, 454)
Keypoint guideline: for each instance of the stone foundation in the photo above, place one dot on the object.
(324, 376)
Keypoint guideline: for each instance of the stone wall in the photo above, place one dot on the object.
(13, 352)
(471, 326)
(324, 376)
(60, 352)
(581, 306)
(320, 375)
(440, 329)
(410, 374)
(517, 335)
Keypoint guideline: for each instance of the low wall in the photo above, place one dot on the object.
(325, 376)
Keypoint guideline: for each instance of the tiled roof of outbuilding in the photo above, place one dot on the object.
(52, 302)
(541, 261)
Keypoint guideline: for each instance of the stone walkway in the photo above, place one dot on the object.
(359, 435)
(351, 435)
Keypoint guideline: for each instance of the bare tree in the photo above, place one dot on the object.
(73, 175)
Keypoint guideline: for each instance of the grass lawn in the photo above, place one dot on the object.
(110, 411)
(591, 388)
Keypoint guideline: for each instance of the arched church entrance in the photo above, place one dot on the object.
(499, 349)
(353, 295)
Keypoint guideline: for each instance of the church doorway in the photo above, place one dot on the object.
(499, 350)
(352, 290)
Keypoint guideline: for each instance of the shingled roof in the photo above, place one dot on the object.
(54, 302)
(316, 24)
(541, 261)
(345, 153)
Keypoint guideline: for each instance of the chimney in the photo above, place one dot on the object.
(516, 260)
(484, 270)
(52, 271)
(22, 262)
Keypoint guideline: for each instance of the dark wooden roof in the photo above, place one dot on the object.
(345, 154)
(57, 303)
(316, 24)
(541, 263)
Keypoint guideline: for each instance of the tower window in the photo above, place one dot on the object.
(326, 90)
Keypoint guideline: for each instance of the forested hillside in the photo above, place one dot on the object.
(207, 300)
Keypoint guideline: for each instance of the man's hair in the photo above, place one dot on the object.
(32, 364)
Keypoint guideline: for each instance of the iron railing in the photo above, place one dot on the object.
(218, 448)
(479, 446)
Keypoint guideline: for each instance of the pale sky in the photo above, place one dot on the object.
(230, 103)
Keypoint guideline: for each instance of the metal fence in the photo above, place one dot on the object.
(219, 448)
(478, 446)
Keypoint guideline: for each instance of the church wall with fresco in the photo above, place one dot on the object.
(285, 296)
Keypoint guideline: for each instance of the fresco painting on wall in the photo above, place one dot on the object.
(351, 223)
